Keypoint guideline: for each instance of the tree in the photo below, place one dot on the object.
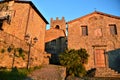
(74, 61)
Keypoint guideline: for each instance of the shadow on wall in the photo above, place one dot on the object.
(55, 47)
(54, 59)
(114, 59)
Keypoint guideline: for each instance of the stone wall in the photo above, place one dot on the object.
(25, 20)
(6, 59)
(58, 22)
(99, 36)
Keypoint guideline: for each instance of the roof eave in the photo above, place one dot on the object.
(95, 12)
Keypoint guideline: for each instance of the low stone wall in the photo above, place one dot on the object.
(13, 58)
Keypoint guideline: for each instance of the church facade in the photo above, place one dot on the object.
(99, 34)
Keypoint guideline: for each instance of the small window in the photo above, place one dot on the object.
(113, 29)
(57, 27)
(84, 30)
(1, 24)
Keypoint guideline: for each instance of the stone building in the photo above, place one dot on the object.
(18, 19)
(55, 38)
(99, 34)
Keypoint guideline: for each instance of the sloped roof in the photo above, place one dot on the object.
(53, 34)
(33, 6)
(95, 12)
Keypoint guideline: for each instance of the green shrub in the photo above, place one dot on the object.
(2, 50)
(74, 61)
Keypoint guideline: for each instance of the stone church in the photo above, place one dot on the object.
(99, 34)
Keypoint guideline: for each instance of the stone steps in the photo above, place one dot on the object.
(106, 72)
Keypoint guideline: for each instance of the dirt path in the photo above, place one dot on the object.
(48, 72)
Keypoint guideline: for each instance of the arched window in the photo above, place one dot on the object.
(57, 27)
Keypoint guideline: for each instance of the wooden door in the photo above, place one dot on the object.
(99, 58)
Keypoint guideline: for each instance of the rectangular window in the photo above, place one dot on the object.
(113, 29)
(1, 24)
(84, 30)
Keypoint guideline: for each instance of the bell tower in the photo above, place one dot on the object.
(58, 23)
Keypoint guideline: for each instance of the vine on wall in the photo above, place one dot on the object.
(11, 49)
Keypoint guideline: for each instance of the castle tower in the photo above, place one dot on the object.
(58, 23)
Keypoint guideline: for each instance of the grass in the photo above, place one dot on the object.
(15, 74)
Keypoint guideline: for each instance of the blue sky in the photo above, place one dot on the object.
(72, 9)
